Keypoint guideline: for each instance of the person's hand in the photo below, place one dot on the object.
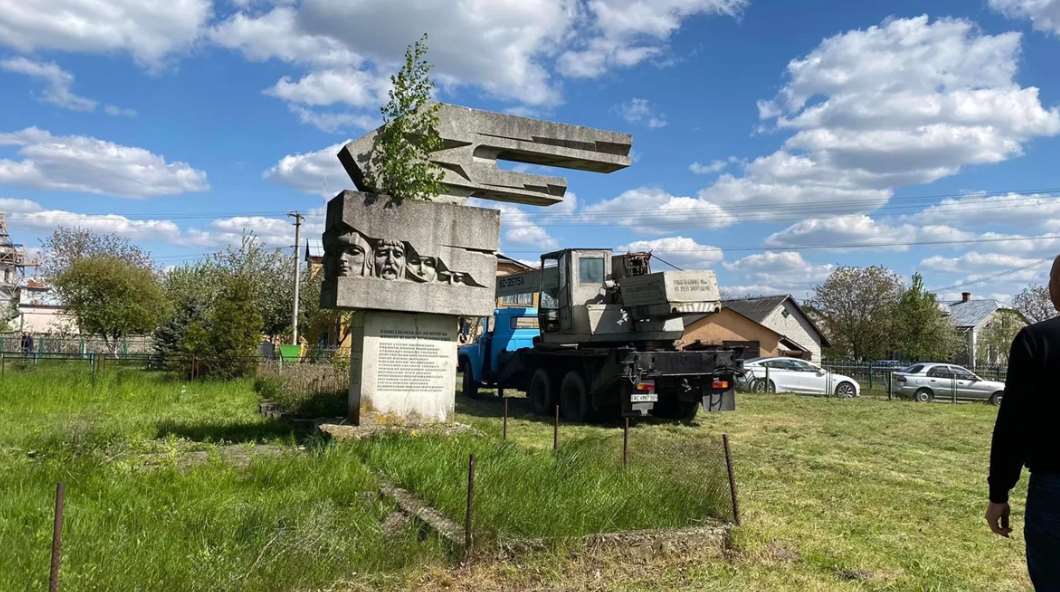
(997, 517)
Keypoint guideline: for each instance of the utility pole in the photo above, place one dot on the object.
(297, 274)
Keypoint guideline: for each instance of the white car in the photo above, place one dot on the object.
(791, 375)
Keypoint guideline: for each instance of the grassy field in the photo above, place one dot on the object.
(835, 495)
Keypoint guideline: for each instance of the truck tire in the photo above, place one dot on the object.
(470, 387)
(574, 401)
(540, 392)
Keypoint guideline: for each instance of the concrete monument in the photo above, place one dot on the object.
(413, 268)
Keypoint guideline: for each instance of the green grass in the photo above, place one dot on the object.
(519, 492)
(141, 514)
(836, 495)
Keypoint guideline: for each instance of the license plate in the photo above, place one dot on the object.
(644, 397)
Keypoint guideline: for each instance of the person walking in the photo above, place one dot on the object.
(1025, 434)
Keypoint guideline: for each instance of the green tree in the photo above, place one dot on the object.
(400, 165)
(67, 245)
(110, 297)
(922, 331)
(857, 305)
(270, 274)
(224, 345)
(1035, 304)
(996, 337)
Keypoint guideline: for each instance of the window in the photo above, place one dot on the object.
(780, 364)
(516, 300)
(940, 372)
(591, 270)
(914, 369)
(803, 366)
(962, 374)
(524, 323)
(550, 282)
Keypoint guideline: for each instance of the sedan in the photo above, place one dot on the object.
(796, 376)
(924, 382)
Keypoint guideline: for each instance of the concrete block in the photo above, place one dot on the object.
(403, 368)
(412, 256)
(475, 140)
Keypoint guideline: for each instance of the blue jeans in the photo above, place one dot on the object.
(1041, 530)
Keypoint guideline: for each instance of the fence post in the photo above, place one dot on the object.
(555, 431)
(870, 376)
(953, 389)
(890, 386)
(765, 387)
(468, 538)
(57, 539)
(504, 426)
(93, 362)
(625, 443)
(2, 364)
(732, 479)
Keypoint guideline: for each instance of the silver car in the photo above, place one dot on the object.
(926, 382)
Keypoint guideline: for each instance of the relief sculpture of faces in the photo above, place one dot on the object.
(420, 268)
(389, 259)
(346, 254)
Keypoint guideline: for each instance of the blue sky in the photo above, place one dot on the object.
(772, 140)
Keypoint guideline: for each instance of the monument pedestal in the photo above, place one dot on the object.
(402, 367)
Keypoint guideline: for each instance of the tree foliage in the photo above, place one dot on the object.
(225, 343)
(995, 339)
(1035, 303)
(110, 297)
(400, 164)
(921, 330)
(857, 305)
(67, 245)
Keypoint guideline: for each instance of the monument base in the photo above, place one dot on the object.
(402, 367)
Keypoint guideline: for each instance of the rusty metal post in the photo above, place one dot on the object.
(732, 479)
(890, 386)
(57, 540)
(468, 538)
(625, 444)
(2, 364)
(504, 426)
(555, 431)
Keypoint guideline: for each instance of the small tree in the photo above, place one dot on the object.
(921, 329)
(225, 345)
(995, 340)
(67, 245)
(1035, 304)
(400, 163)
(857, 305)
(110, 297)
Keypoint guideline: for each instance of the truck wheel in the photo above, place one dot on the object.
(470, 387)
(573, 398)
(540, 392)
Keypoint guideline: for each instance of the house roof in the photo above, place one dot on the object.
(691, 320)
(758, 309)
(515, 262)
(970, 313)
(314, 249)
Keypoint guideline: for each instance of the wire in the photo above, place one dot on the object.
(989, 277)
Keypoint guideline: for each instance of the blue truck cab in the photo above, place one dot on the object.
(507, 331)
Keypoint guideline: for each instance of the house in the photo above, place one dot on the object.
(974, 319)
(40, 312)
(728, 328)
(777, 324)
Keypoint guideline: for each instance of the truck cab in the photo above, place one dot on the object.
(507, 331)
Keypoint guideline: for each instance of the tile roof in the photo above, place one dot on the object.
(972, 312)
(756, 309)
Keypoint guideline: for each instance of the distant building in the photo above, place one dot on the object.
(12, 260)
(40, 312)
(770, 325)
(972, 317)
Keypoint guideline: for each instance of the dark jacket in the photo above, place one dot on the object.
(1025, 432)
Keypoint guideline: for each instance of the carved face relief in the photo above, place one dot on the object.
(347, 255)
(423, 269)
(390, 259)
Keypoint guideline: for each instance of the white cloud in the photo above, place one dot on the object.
(119, 111)
(681, 251)
(517, 226)
(623, 33)
(1013, 209)
(1043, 14)
(81, 163)
(714, 166)
(781, 272)
(652, 210)
(976, 261)
(335, 121)
(862, 230)
(907, 102)
(57, 82)
(356, 88)
(640, 111)
(277, 34)
(316, 172)
(26, 214)
(149, 31)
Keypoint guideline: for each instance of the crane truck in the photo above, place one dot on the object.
(601, 342)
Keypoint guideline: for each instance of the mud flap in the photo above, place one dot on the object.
(720, 401)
